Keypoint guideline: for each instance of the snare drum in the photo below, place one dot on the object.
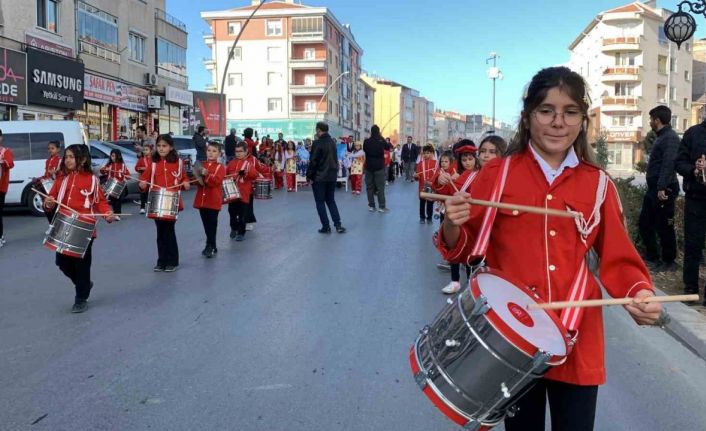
(231, 192)
(70, 233)
(486, 349)
(47, 184)
(163, 204)
(263, 189)
(113, 188)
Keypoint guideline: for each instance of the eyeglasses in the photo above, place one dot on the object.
(546, 115)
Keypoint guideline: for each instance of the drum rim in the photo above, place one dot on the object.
(77, 215)
(506, 331)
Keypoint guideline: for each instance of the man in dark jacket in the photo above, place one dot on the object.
(410, 152)
(322, 173)
(691, 164)
(200, 144)
(230, 142)
(374, 148)
(657, 215)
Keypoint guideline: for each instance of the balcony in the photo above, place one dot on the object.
(305, 114)
(169, 19)
(209, 63)
(620, 103)
(624, 43)
(621, 73)
(307, 37)
(307, 90)
(301, 63)
(208, 40)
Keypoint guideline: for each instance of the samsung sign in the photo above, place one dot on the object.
(54, 80)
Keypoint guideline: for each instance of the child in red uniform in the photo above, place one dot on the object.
(6, 163)
(550, 165)
(290, 166)
(491, 147)
(116, 168)
(357, 163)
(51, 170)
(425, 172)
(209, 197)
(165, 171)
(79, 190)
(243, 169)
(140, 167)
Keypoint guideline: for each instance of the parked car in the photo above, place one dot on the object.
(100, 154)
(127, 144)
(28, 141)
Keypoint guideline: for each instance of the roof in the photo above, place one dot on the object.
(273, 5)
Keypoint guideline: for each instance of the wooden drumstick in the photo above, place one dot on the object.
(503, 205)
(611, 301)
(44, 195)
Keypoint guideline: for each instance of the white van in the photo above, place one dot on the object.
(28, 141)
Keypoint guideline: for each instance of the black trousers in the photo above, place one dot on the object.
(324, 195)
(143, 199)
(391, 173)
(571, 407)
(117, 205)
(2, 210)
(238, 211)
(657, 219)
(428, 206)
(78, 270)
(694, 235)
(167, 247)
(456, 272)
(209, 218)
(250, 215)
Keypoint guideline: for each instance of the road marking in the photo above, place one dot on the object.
(270, 387)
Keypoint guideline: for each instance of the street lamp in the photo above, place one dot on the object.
(680, 26)
(494, 74)
(329, 88)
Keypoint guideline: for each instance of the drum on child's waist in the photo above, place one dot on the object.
(47, 184)
(263, 189)
(231, 192)
(163, 204)
(113, 188)
(70, 233)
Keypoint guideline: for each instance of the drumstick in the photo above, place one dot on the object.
(60, 204)
(611, 301)
(503, 205)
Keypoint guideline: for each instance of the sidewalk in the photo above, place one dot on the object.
(688, 324)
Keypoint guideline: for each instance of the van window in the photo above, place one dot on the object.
(181, 144)
(41, 140)
(98, 154)
(19, 144)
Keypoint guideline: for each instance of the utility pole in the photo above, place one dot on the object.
(494, 74)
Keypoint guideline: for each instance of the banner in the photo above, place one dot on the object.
(115, 93)
(13, 77)
(208, 111)
(54, 80)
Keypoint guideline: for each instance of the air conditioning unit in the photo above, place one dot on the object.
(151, 79)
(155, 102)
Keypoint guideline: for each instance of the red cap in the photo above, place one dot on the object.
(465, 149)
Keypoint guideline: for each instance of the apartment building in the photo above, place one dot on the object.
(113, 55)
(631, 67)
(293, 65)
(449, 127)
(365, 114)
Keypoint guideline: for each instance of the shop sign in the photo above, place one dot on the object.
(54, 80)
(177, 95)
(623, 136)
(47, 45)
(13, 77)
(115, 93)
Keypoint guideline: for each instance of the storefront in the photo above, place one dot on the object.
(177, 104)
(13, 82)
(54, 86)
(296, 130)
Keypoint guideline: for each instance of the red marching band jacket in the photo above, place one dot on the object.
(116, 170)
(437, 187)
(165, 175)
(426, 170)
(51, 167)
(142, 163)
(546, 253)
(244, 182)
(210, 195)
(81, 192)
(7, 162)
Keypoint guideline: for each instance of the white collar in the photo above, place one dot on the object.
(570, 161)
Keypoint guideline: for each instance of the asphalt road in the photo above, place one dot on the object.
(288, 330)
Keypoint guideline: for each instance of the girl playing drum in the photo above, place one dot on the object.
(550, 165)
(117, 169)
(209, 197)
(242, 167)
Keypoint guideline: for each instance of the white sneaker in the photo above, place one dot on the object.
(2, 240)
(117, 218)
(142, 210)
(250, 226)
(452, 287)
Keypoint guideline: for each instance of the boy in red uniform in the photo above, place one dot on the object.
(550, 165)
(209, 197)
(6, 163)
(242, 167)
(79, 190)
(425, 172)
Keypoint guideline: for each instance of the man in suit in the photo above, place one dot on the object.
(410, 152)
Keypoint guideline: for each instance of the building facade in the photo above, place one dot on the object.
(113, 55)
(630, 68)
(365, 109)
(293, 65)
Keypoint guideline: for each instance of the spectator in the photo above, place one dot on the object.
(410, 152)
(230, 142)
(322, 171)
(374, 148)
(200, 143)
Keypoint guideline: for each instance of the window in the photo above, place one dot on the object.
(274, 27)
(661, 93)
(235, 79)
(672, 93)
(662, 64)
(137, 47)
(310, 106)
(661, 36)
(672, 64)
(274, 78)
(19, 144)
(171, 60)
(687, 75)
(274, 105)
(48, 15)
(235, 106)
(304, 26)
(686, 103)
(181, 144)
(236, 54)
(97, 28)
(685, 124)
(310, 80)
(309, 54)
(234, 28)
(622, 120)
(624, 59)
(674, 122)
(274, 54)
(624, 89)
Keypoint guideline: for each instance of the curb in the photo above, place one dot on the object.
(687, 325)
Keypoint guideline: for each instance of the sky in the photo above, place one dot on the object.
(440, 47)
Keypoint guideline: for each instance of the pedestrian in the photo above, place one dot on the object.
(657, 214)
(691, 164)
(116, 169)
(200, 141)
(229, 145)
(322, 172)
(141, 138)
(410, 153)
(140, 167)
(490, 147)
(251, 145)
(396, 161)
(79, 190)
(209, 197)
(6, 164)
(374, 149)
(426, 169)
(303, 158)
(550, 164)
(388, 161)
(242, 168)
(51, 169)
(278, 160)
(357, 163)
(166, 171)
(290, 166)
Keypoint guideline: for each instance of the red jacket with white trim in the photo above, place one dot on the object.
(245, 181)
(211, 195)
(7, 162)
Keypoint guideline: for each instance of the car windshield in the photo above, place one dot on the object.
(183, 144)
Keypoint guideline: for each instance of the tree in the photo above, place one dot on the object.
(648, 141)
(601, 146)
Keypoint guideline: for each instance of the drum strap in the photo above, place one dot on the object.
(483, 238)
(468, 182)
(62, 189)
(2, 159)
(154, 168)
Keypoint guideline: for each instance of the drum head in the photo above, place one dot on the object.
(508, 312)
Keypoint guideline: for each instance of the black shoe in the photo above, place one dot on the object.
(422, 221)
(215, 250)
(204, 252)
(158, 268)
(325, 230)
(240, 237)
(429, 221)
(79, 307)
(340, 229)
(233, 234)
(171, 268)
(208, 252)
(667, 267)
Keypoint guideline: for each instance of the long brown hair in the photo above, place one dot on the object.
(575, 87)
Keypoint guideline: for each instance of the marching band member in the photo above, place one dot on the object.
(79, 190)
(209, 197)
(166, 171)
(357, 163)
(290, 166)
(491, 147)
(51, 169)
(278, 157)
(550, 165)
(250, 219)
(6, 164)
(140, 167)
(243, 169)
(116, 168)
(425, 172)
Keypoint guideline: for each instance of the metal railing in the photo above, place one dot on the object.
(169, 19)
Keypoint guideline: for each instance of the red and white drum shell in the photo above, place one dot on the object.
(70, 233)
(485, 349)
(163, 204)
(230, 191)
